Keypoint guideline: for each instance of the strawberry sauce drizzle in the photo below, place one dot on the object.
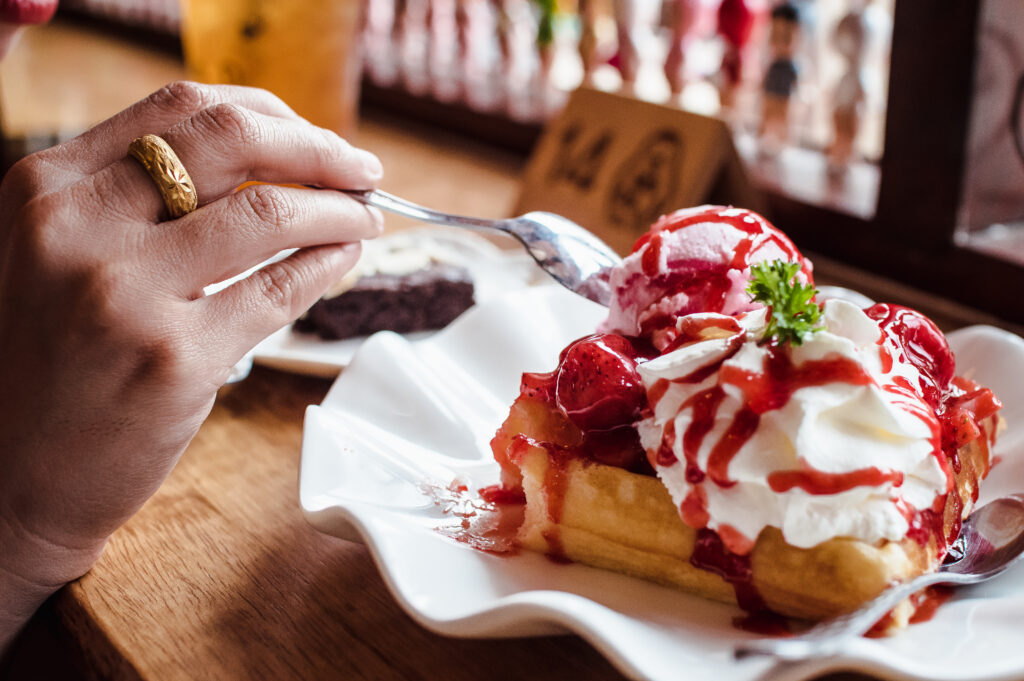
(925, 603)
(705, 406)
(711, 554)
(814, 481)
(555, 485)
(487, 521)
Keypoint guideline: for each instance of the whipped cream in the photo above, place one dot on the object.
(821, 440)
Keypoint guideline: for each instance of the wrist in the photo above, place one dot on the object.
(32, 568)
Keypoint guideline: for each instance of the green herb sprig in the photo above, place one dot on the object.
(546, 22)
(792, 316)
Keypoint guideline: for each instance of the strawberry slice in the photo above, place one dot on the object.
(598, 386)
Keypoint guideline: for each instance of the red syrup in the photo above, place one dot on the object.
(920, 343)
(711, 554)
(502, 496)
(928, 601)
(814, 481)
(555, 483)
(487, 521)
(763, 622)
(925, 604)
(959, 407)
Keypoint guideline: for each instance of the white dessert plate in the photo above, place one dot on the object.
(407, 413)
(494, 270)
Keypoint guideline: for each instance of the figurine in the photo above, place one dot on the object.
(541, 87)
(781, 78)
(627, 58)
(850, 39)
(588, 39)
(680, 16)
(735, 23)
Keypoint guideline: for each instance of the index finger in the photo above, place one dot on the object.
(171, 104)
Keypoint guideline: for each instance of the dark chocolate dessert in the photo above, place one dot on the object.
(422, 300)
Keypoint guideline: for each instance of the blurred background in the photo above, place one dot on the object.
(885, 135)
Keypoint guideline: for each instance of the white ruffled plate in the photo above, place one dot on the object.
(403, 413)
(495, 271)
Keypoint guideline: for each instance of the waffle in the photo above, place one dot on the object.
(611, 518)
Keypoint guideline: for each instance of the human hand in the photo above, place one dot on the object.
(112, 354)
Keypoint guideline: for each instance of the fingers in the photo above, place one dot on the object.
(248, 311)
(229, 236)
(165, 108)
(226, 145)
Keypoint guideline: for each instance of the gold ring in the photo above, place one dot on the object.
(168, 173)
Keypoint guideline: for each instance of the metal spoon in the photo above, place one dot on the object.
(992, 539)
(576, 259)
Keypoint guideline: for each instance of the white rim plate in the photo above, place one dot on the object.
(495, 271)
(407, 412)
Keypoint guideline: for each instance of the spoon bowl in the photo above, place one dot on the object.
(991, 540)
(574, 257)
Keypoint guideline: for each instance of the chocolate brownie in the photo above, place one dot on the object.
(428, 298)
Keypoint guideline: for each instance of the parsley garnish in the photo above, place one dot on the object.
(792, 316)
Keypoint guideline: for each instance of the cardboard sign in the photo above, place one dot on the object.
(615, 164)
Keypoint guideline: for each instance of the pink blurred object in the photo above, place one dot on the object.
(681, 15)
(627, 58)
(735, 24)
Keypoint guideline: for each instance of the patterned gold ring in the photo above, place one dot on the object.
(168, 173)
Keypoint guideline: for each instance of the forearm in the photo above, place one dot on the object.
(31, 569)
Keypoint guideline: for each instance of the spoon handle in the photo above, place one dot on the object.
(394, 204)
(828, 637)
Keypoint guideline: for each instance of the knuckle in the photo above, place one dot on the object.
(277, 283)
(103, 285)
(332, 151)
(165, 355)
(98, 299)
(270, 206)
(38, 229)
(231, 121)
(25, 178)
(268, 98)
(182, 96)
(108, 193)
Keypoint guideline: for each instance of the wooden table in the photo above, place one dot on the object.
(219, 576)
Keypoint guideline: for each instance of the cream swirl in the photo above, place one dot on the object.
(821, 440)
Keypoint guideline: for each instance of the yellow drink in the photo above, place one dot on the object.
(304, 51)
